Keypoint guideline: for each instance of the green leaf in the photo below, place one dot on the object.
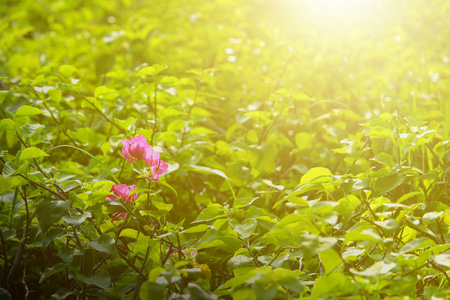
(55, 95)
(212, 212)
(431, 217)
(330, 260)
(3, 95)
(100, 279)
(240, 261)
(263, 158)
(29, 130)
(10, 183)
(376, 269)
(104, 243)
(314, 244)
(332, 284)
(416, 244)
(50, 212)
(243, 202)
(162, 206)
(28, 111)
(380, 132)
(7, 124)
(443, 259)
(387, 183)
(389, 226)
(153, 70)
(67, 70)
(78, 220)
(4, 294)
(246, 229)
(152, 291)
(9, 169)
(59, 267)
(323, 175)
(32, 152)
(103, 92)
(206, 170)
(66, 253)
(196, 292)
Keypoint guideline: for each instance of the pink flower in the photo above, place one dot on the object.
(159, 166)
(136, 148)
(122, 192)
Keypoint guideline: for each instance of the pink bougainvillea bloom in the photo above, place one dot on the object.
(159, 167)
(136, 148)
(122, 192)
(152, 159)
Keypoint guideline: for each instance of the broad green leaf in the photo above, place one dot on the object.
(443, 259)
(389, 226)
(67, 70)
(162, 206)
(431, 217)
(152, 291)
(55, 95)
(103, 92)
(103, 243)
(314, 173)
(380, 132)
(362, 236)
(10, 183)
(77, 220)
(32, 152)
(243, 202)
(29, 130)
(196, 292)
(246, 229)
(376, 269)
(125, 124)
(330, 260)
(59, 267)
(206, 170)
(3, 95)
(419, 243)
(314, 244)
(66, 253)
(332, 284)
(240, 261)
(387, 183)
(50, 212)
(263, 158)
(7, 124)
(211, 213)
(4, 294)
(100, 279)
(129, 233)
(27, 110)
(153, 70)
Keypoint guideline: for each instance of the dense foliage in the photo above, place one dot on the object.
(224, 150)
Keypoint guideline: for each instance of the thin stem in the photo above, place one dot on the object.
(105, 116)
(155, 126)
(140, 273)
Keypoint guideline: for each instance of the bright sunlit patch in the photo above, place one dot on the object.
(335, 14)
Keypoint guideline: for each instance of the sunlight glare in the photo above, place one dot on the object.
(337, 14)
